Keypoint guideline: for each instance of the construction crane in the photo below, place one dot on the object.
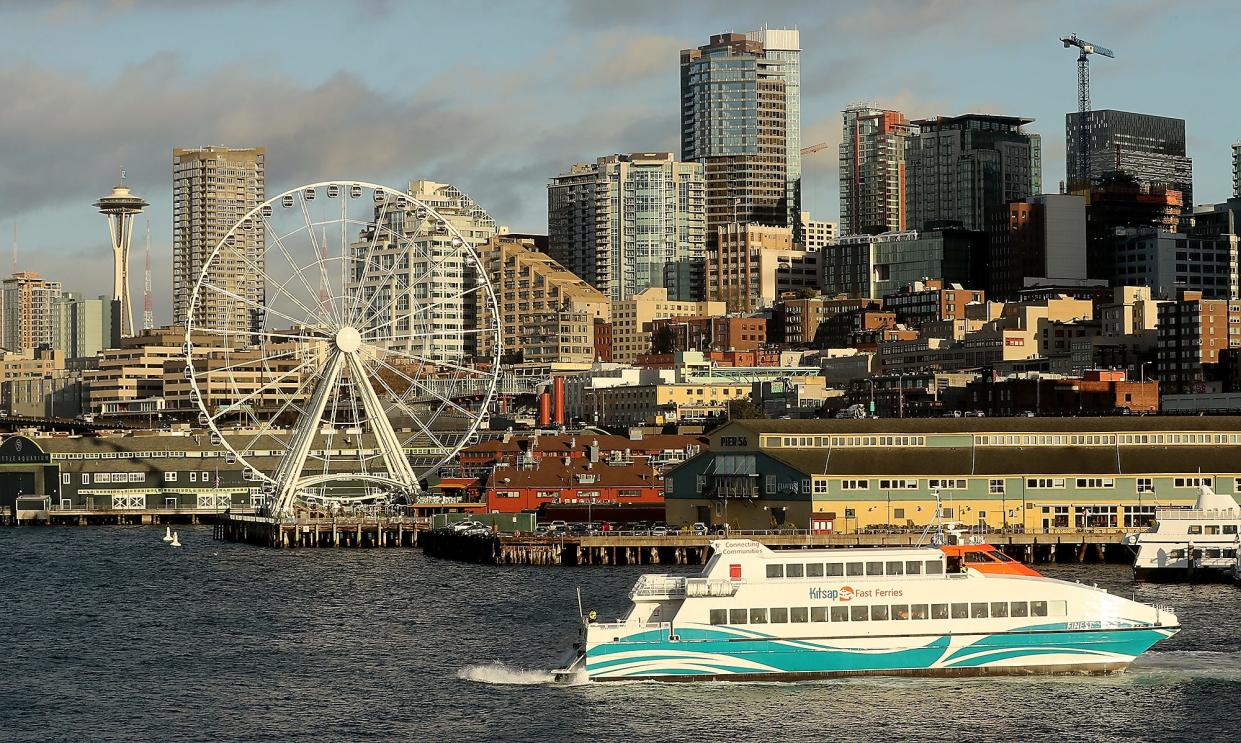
(1085, 49)
(814, 148)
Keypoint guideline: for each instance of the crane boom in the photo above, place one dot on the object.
(813, 148)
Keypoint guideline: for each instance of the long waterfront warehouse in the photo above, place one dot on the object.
(1031, 473)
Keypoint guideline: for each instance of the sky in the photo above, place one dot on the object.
(498, 97)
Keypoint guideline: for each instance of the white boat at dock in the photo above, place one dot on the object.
(1191, 544)
(759, 614)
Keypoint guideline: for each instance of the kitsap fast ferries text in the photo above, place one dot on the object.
(755, 614)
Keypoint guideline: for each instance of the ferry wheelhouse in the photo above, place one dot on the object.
(758, 614)
(1191, 544)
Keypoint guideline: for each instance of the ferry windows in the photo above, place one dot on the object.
(1212, 529)
(939, 611)
(758, 616)
(960, 611)
(857, 613)
(878, 613)
(1057, 608)
(1195, 529)
(934, 567)
(780, 616)
(814, 570)
(794, 571)
(840, 613)
(719, 616)
(1038, 608)
(895, 567)
(920, 611)
(834, 569)
(999, 608)
(819, 613)
(874, 568)
(775, 570)
(799, 614)
(900, 611)
(736, 616)
(1018, 609)
(853, 568)
(1230, 528)
(978, 610)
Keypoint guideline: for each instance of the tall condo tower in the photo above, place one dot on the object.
(872, 171)
(120, 207)
(741, 118)
(212, 189)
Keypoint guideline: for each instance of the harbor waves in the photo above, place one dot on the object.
(110, 635)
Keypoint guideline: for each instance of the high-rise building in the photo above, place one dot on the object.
(120, 207)
(817, 234)
(620, 222)
(88, 326)
(1042, 237)
(959, 168)
(876, 265)
(749, 266)
(439, 277)
(1150, 148)
(872, 171)
(1236, 170)
(212, 189)
(741, 119)
(1116, 203)
(31, 312)
(532, 289)
(631, 320)
(1192, 332)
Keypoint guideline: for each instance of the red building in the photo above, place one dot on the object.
(609, 481)
(661, 450)
(603, 340)
(1096, 392)
(730, 333)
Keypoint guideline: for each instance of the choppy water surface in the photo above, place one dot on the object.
(108, 634)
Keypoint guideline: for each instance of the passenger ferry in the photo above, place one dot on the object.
(755, 614)
(1190, 544)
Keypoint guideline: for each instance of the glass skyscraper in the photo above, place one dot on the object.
(741, 118)
(1150, 148)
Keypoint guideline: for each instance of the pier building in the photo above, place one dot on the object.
(1023, 474)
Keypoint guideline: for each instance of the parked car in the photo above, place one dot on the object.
(699, 528)
(659, 531)
(558, 525)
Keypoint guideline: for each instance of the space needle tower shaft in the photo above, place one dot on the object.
(120, 207)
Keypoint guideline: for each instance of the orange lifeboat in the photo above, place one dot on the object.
(985, 559)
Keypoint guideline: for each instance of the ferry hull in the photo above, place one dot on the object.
(727, 656)
(1182, 575)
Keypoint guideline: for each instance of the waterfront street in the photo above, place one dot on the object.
(116, 637)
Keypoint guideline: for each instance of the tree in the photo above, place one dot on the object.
(744, 408)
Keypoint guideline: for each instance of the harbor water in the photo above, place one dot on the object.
(111, 635)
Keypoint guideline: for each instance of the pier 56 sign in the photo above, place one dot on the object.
(848, 593)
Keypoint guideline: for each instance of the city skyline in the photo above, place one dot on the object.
(506, 121)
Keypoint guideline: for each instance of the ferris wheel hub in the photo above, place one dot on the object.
(348, 339)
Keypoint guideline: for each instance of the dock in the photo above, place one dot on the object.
(1094, 546)
(327, 532)
(60, 516)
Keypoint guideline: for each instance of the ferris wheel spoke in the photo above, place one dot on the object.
(297, 271)
(429, 390)
(424, 361)
(428, 273)
(320, 257)
(261, 334)
(261, 272)
(398, 402)
(410, 241)
(237, 404)
(267, 425)
(418, 308)
(250, 302)
(380, 226)
(247, 362)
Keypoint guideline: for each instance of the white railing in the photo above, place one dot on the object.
(658, 586)
(1197, 514)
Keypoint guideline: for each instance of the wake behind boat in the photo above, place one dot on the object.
(755, 614)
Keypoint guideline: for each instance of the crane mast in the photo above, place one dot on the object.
(1085, 49)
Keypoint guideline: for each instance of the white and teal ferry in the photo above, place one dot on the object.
(758, 614)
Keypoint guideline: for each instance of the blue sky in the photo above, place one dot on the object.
(498, 97)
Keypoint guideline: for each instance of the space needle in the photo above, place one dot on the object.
(119, 207)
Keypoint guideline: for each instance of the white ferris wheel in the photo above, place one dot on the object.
(335, 330)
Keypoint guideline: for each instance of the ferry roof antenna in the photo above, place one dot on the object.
(937, 524)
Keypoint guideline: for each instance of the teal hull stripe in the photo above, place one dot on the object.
(721, 653)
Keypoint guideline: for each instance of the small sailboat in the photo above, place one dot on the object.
(167, 533)
(175, 542)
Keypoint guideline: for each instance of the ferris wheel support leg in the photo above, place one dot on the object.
(289, 474)
(389, 443)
